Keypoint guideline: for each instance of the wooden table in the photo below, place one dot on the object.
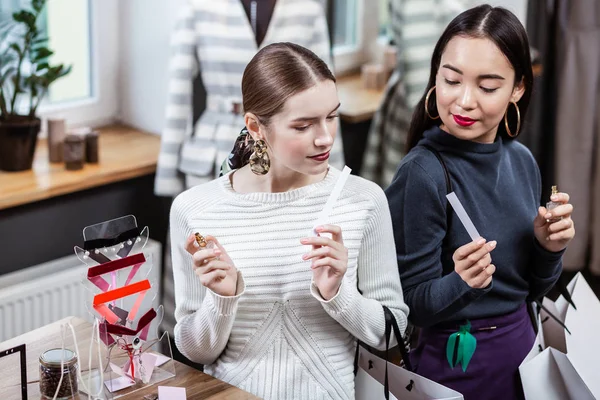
(357, 103)
(198, 384)
(124, 153)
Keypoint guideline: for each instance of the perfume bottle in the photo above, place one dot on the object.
(551, 205)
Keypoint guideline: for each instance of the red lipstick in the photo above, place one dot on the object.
(463, 121)
(320, 157)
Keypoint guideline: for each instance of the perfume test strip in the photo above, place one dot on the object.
(463, 216)
(335, 193)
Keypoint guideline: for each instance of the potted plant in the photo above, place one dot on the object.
(25, 76)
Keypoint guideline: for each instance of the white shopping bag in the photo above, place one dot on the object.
(568, 368)
(539, 344)
(403, 384)
(552, 376)
(371, 375)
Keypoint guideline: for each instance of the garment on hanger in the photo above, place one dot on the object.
(215, 39)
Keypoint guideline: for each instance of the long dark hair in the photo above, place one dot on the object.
(504, 29)
(277, 72)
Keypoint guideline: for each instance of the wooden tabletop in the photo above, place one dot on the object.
(357, 103)
(198, 385)
(124, 153)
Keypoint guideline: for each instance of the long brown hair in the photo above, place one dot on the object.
(506, 31)
(277, 72)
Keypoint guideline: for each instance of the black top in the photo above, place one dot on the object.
(499, 186)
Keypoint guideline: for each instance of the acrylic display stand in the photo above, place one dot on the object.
(122, 298)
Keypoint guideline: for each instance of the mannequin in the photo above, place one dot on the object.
(218, 49)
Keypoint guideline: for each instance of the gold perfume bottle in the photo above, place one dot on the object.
(551, 205)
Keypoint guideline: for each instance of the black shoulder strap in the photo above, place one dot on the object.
(441, 160)
(448, 182)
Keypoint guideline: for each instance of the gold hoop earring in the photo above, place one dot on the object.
(427, 103)
(259, 159)
(508, 131)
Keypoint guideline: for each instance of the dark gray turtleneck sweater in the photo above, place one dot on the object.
(500, 187)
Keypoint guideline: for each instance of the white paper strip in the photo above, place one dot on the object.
(462, 215)
(335, 194)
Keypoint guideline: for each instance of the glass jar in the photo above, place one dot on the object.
(50, 373)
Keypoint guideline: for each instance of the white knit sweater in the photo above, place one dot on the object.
(278, 338)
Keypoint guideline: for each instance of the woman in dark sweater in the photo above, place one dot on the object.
(478, 92)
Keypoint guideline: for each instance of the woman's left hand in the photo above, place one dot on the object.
(555, 236)
(329, 260)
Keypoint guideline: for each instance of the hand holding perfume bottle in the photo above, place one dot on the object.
(553, 226)
(213, 265)
(551, 205)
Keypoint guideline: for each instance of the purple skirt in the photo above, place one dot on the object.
(493, 372)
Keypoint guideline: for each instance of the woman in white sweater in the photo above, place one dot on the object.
(272, 308)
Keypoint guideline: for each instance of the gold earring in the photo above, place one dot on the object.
(518, 120)
(427, 103)
(259, 160)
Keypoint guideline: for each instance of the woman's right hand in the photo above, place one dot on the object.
(474, 264)
(213, 266)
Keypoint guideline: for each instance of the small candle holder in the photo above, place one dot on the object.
(74, 152)
(56, 137)
(91, 147)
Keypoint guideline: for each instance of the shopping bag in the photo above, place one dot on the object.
(377, 378)
(568, 367)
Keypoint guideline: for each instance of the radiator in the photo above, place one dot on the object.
(36, 296)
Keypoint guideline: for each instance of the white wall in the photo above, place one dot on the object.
(145, 27)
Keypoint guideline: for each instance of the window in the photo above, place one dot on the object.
(68, 28)
(384, 17)
(357, 27)
(66, 24)
(345, 23)
(83, 34)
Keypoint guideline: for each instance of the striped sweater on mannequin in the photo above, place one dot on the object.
(215, 39)
(278, 338)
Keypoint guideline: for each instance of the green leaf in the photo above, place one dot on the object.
(467, 347)
(40, 40)
(42, 66)
(64, 71)
(461, 347)
(25, 17)
(16, 48)
(453, 341)
(41, 53)
(38, 5)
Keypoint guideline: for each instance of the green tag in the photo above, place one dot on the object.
(461, 347)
